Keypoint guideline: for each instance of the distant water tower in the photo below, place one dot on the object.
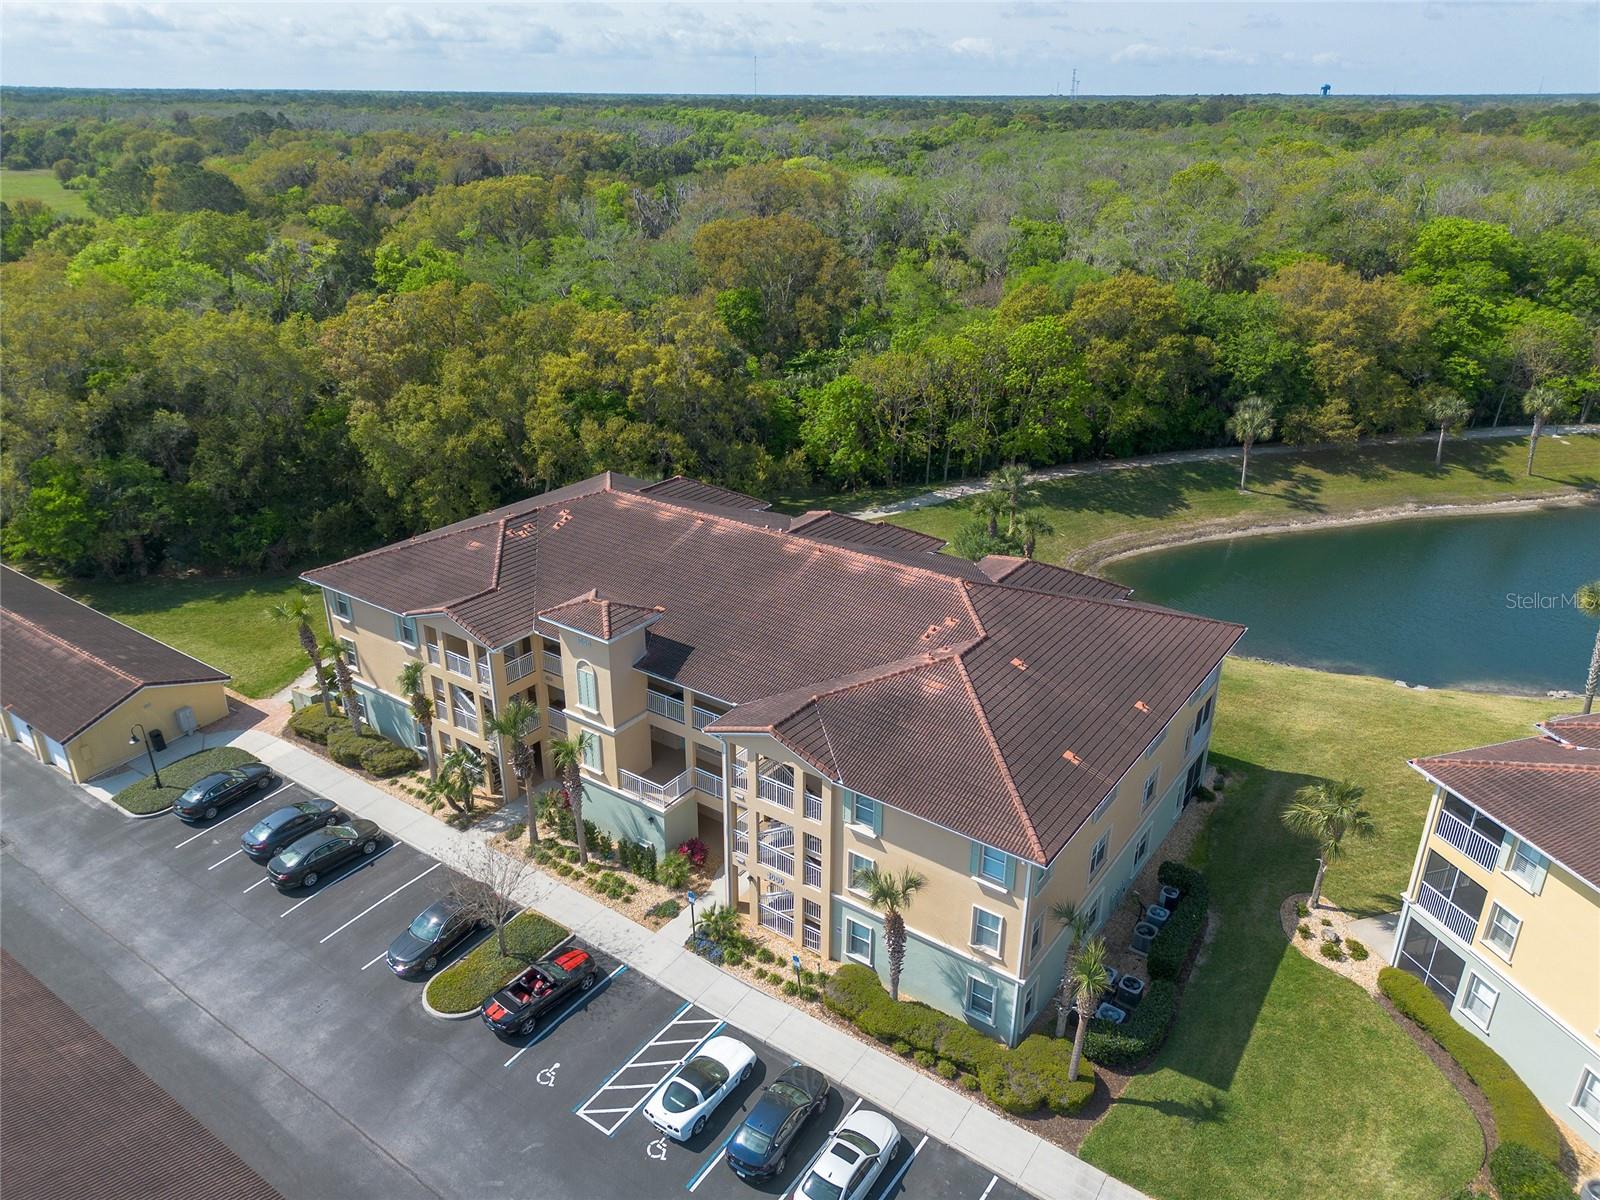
(1326, 88)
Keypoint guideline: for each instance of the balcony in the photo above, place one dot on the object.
(775, 789)
(433, 653)
(558, 721)
(1452, 916)
(1480, 849)
(813, 806)
(519, 666)
(664, 705)
(775, 847)
(661, 795)
(462, 719)
(813, 876)
(458, 664)
(777, 912)
(485, 675)
(709, 782)
(703, 716)
(741, 837)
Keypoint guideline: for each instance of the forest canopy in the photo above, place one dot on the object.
(300, 324)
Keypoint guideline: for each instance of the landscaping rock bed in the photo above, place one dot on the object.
(1355, 961)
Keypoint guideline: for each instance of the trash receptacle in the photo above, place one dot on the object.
(157, 741)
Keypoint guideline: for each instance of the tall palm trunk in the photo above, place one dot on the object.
(347, 689)
(1244, 469)
(1086, 1006)
(1593, 684)
(572, 777)
(308, 643)
(1316, 884)
(894, 938)
(1438, 454)
(1064, 1002)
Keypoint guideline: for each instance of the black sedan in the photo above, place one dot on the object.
(304, 862)
(210, 794)
(516, 1008)
(430, 937)
(288, 824)
(760, 1147)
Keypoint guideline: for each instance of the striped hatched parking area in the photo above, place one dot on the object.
(631, 1084)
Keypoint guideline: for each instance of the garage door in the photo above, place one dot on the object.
(57, 753)
(24, 733)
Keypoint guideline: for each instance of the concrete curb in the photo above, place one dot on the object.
(444, 1016)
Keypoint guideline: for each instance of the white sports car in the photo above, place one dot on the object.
(854, 1158)
(684, 1102)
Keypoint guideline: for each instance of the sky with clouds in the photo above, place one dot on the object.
(983, 47)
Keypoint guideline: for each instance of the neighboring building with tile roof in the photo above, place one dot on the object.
(812, 694)
(1502, 916)
(73, 681)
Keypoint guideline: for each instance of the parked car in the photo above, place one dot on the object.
(435, 932)
(760, 1147)
(210, 794)
(686, 1099)
(853, 1159)
(303, 862)
(288, 824)
(516, 1008)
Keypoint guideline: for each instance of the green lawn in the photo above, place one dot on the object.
(143, 796)
(41, 185)
(220, 621)
(1094, 515)
(1282, 1079)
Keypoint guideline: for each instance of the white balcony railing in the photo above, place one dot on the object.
(741, 777)
(709, 782)
(775, 791)
(741, 838)
(485, 675)
(1454, 918)
(777, 912)
(558, 720)
(462, 719)
(811, 937)
(775, 847)
(703, 717)
(1469, 841)
(433, 653)
(659, 795)
(458, 664)
(664, 705)
(813, 874)
(813, 806)
(519, 666)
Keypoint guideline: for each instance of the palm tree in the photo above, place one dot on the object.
(1031, 526)
(460, 774)
(1543, 404)
(1328, 811)
(1587, 598)
(1009, 482)
(334, 653)
(989, 506)
(410, 682)
(1250, 423)
(567, 754)
(1448, 409)
(297, 611)
(891, 895)
(1077, 923)
(509, 727)
(1089, 978)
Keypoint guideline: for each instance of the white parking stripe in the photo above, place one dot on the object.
(904, 1167)
(992, 1181)
(230, 816)
(230, 858)
(378, 959)
(328, 882)
(588, 1114)
(375, 904)
(806, 1170)
(258, 883)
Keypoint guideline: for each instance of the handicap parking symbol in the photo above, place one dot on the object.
(547, 1077)
(657, 1149)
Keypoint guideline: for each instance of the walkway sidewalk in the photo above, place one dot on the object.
(1005, 1148)
(971, 487)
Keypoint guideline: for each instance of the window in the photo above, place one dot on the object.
(444, 741)
(1527, 866)
(862, 810)
(1478, 1001)
(858, 941)
(1035, 936)
(588, 688)
(405, 630)
(992, 865)
(350, 657)
(1097, 856)
(858, 864)
(1142, 848)
(1029, 999)
(341, 606)
(1587, 1101)
(1150, 786)
(593, 754)
(1203, 717)
(1501, 932)
(422, 738)
(1091, 914)
(980, 999)
(987, 928)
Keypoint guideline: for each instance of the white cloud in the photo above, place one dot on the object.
(973, 47)
(1151, 54)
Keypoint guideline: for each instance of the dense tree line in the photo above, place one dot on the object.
(287, 334)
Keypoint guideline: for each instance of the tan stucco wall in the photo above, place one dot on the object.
(104, 745)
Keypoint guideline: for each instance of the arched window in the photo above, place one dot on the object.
(588, 688)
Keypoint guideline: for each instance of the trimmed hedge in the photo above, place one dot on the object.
(1141, 1035)
(314, 725)
(1170, 949)
(144, 797)
(1020, 1080)
(464, 985)
(1521, 1174)
(1519, 1118)
(372, 752)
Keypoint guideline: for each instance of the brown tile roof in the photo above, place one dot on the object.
(772, 620)
(1580, 729)
(1046, 577)
(682, 490)
(82, 1122)
(1545, 791)
(63, 665)
(595, 616)
(828, 526)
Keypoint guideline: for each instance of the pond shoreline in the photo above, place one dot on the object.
(1096, 555)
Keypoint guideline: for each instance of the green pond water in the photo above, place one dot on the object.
(1471, 601)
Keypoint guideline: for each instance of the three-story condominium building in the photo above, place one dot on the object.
(815, 694)
(1502, 916)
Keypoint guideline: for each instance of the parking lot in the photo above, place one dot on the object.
(423, 1106)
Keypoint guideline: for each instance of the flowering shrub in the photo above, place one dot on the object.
(695, 851)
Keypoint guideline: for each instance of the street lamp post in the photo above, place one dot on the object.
(135, 738)
(799, 986)
(692, 898)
